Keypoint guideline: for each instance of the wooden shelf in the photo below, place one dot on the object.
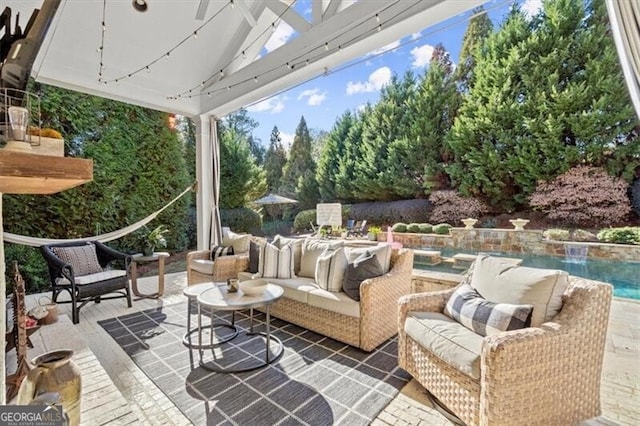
(23, 173)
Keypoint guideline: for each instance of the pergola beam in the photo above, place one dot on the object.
(316, 11)
(290, 16)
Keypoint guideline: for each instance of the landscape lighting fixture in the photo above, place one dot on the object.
(140, 5)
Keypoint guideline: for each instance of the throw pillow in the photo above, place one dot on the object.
(483, 317)
(364, 267)
(254, 257)
(311, 250)
(217, 251)
(276, 262)
(330, 269)
(280, 241)
(502, 282)
(381, 251)
(240, 242)
(83, 259)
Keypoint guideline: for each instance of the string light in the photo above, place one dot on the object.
(147, 69)
(167, 55)
(221, 74)
(379, 27)
(255, 79)
(195, 34)
(377, 18)
(326, 46)
(244, 55)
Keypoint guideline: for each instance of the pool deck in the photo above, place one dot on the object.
(147, 405)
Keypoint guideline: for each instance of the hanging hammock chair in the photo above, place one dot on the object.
(110, 236)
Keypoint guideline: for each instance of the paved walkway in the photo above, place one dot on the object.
(620, 385)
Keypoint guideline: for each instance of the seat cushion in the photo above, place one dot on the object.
(295, 288)
(448, 340)
(483, 317)
(382, 252)
(94, 278)
(502, 282)
(311, 250)
(334, 302)
(83, 258)
(203, 266)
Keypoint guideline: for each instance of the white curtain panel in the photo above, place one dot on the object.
(624, 16)
(216, 230)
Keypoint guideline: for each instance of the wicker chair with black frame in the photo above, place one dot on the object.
(84, 269)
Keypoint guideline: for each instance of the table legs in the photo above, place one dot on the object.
(134, 280)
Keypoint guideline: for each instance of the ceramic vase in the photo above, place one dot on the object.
(54, 372)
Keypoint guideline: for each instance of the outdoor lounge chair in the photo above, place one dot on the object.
(84, 270)
(358, 229)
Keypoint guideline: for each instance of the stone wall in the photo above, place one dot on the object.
(511, 241)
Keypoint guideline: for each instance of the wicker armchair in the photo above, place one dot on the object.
(223, 268)
(539, 375)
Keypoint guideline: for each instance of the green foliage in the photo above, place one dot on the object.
(32, 267)
(479, 28)
(556, 234)
(332, 155)
(299, 179)
(241, 219)
(425, 228)
(243, 125)
(489, 223)
(346, 186)
(304, 219)
(626, 235)
(583, 235)
(399, 227)
(441, 228)
(274, 162)
(374, 230)
(413, 228)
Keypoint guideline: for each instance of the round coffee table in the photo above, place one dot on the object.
(219, 299)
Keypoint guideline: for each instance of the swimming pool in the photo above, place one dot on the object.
(625, 276)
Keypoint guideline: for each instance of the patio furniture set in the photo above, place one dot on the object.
(482, 350)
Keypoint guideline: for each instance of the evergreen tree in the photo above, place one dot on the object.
(274, 161)
(346, 186)
(244, 125)
(480, 27)
(333, 153)
(300, 162)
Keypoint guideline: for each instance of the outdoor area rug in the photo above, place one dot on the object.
(317, 381)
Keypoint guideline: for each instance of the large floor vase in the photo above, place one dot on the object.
(54, 372)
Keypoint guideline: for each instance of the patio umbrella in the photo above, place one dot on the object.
(274, 200)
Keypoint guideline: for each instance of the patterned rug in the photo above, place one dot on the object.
(317, 381)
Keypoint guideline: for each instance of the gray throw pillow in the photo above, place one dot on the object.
(254, 257)
(362, 268)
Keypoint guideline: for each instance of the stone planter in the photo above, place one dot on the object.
(468, 223)
(519, 224)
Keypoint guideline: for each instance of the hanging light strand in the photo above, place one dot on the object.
(101, 47)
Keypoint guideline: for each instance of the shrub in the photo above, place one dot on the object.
(399, 227)
(491, 223)
(380, 213)
(426, 228)
(413, 228)
(304, 219)
(441, 228)
(241, 220)
(31, 265)
(635, 196)
(626, 235)
(585, 196)
(582, 235)
(556, 234)
(449, 206)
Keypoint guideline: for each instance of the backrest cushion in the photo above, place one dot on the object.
(382, 252)
(240, 242)
(254, 257)
(83, 259)
(364, 267)
(483, 317)
(330, 269)
(311, 250)
(280, 241)
(276, 262)
(217, 251)
(501, 282)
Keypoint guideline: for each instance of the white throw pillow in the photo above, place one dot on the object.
(503, 282)
(382, 253)
(330, 268)
(276, 262)
(280, 241)
(311, 250)
(240, 242)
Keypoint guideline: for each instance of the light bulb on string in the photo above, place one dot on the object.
(255, 79)
(195, 34)
(167, 55)
(377, 18)
(233, 5)
(326, 46)
(244, 55)
(221, 74)
(147, 69)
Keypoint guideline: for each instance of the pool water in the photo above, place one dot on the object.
(625, 276)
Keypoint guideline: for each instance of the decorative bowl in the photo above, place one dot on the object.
(253, 287)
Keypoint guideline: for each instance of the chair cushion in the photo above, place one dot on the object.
(330, 269)
(276, 262)
(83, 259)
(382, 252)
(203, 266)
(311, 250)
(486, 318)
(280, 241)
(364, 267)
(94, 278)
(334, 302)
(217, 251)
(502, 282)
(240, 242)
(446, 339)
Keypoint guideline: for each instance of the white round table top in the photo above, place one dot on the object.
(139, 257)
(219, 298)
(193, 291)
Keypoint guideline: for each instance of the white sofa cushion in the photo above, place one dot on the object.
(240, 242)
(280, 241)
(445, 338)
(276, 262)
(502, 282)
(311, 250)
(295, 288)
(330, 269)
(334, 302)
(94, 278)
(382, 252)
(202, 265)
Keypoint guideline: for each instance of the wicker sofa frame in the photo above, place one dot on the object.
(114, 288)
(540, 375)
(224, 267)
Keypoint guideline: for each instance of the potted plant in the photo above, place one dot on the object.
(147, 241)
(372, 233)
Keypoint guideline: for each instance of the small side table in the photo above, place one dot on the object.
(157, 256)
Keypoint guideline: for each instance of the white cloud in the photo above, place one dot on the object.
(286, 139)
(531, 7)
(376, 81)
(384, 49)
(416, 36)
(274, 105)
(281, 35)
(314, 96)
(421, 55)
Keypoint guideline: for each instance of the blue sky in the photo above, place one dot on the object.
(323, 99)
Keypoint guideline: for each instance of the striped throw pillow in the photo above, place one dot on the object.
(276, 262)
(217, 251)
(83, 259)
(483, 317)
(330, 268)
